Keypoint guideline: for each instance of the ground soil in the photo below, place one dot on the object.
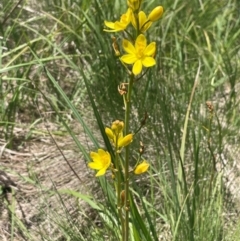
(32, 176)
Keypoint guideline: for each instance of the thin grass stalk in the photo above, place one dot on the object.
(183, 143)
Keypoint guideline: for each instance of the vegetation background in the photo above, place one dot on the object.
(58, 87)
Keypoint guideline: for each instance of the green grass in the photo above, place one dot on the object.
(56, 58)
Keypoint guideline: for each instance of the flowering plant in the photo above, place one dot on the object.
(141, 56)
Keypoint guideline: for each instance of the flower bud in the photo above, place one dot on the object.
(122, 195)
(155, 14)
(134, 4)
(141, 168)
(126, 140)
(117, 126)
(115, 46)
(109, 133)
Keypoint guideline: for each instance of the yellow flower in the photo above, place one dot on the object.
(126, 140)
(119, 25)
(141, 168)
(155, 14)
(115, 134)
(139, 55)
(144, 23)
(101, 161)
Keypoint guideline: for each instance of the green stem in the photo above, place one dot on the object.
(137, 22)
(118, 189)
(126, 171)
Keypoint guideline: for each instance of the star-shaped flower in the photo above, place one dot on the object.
(139, 55)
(119, 25)
(101, 161)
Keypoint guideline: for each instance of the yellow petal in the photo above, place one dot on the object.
(128, 47)
(142, 18)
(133, 21)
(126, 17)
(150, 49)
(109, 24)
(101, 172)
(94, 165)
(109, 133)
(115, 27)
(148, 61)
(140, 43)
(119, 26)
(141, 168)
(128, 59)
(137, 67)
(110, 30)
(126, 140)
(102, 153)
(146, 26)
(155, 14)
(95, 156)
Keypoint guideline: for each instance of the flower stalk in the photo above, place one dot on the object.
(126, 167)
(141, 56)
(118, 182)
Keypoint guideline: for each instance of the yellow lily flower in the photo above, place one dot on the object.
(139, 55)
(144, 23)
(119, 25)
(101, 161)
(141, 168)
